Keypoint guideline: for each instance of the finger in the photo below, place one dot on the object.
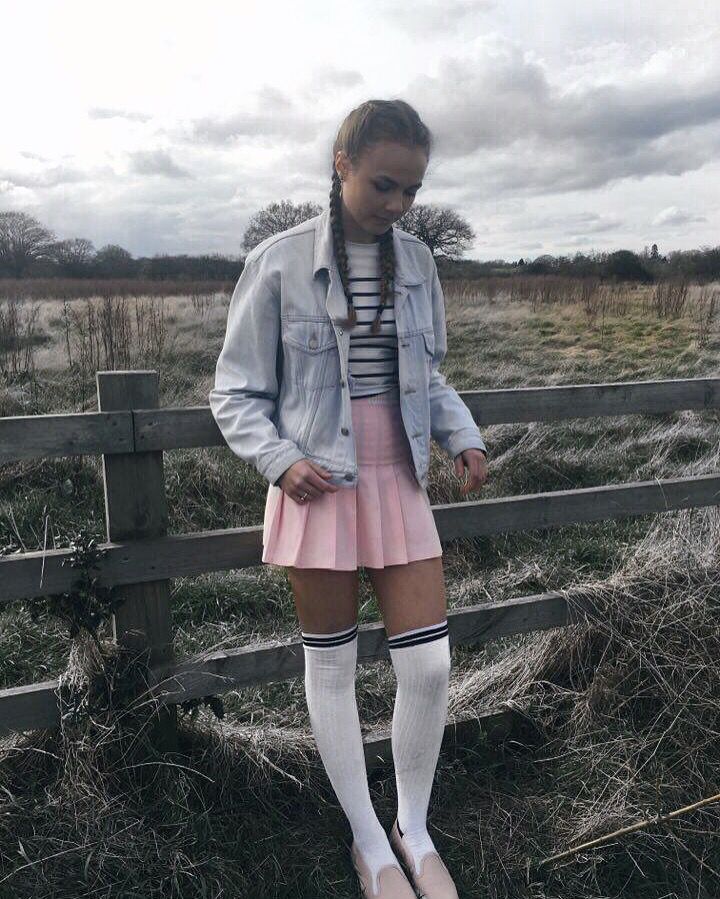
(474, 479)
(323, 473)
(318, 483)
(304, 492)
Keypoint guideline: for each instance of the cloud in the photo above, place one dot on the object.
(501, 119)
(431, 19)
(672, 215)
(156, 162)
(49, 177)
(570, 222)
(276, 117)
(36, 156)
(105, 112)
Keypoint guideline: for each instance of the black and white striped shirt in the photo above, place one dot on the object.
(372, 359)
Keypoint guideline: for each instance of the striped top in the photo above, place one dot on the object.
(372, 358)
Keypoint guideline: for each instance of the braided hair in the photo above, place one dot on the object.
(368, 124)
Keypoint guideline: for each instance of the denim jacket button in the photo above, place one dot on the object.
(348, 477)
(313, 341)
(342, 383)
(344, 431)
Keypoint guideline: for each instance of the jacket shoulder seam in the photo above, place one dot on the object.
(274, 240)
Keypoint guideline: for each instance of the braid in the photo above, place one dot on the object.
(387, 276)
(338, 234)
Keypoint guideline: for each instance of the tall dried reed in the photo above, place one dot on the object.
(109, 334)
(18, 338)
(670, 297)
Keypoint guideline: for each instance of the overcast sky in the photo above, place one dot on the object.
(558, 126)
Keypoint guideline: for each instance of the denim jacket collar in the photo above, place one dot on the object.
(406, 271)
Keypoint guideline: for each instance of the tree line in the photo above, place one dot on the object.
(28, 249)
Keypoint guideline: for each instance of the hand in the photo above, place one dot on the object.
(475, 461)
(305, 477)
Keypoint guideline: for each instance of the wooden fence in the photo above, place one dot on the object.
(131, 433)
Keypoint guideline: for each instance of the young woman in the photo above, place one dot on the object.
(328, 384)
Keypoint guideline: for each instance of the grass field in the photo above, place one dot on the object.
(624, 711)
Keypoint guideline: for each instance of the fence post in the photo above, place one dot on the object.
(135, 509)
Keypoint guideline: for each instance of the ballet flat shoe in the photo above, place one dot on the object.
(434, 880)
(392, 882)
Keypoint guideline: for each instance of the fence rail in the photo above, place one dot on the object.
(144, 430)
(141, 557)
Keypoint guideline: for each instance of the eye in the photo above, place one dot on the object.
(383, 188)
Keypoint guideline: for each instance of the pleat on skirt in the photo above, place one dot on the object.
(384, 520)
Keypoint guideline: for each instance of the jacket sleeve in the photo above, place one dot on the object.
(451, 422)
(243, 398)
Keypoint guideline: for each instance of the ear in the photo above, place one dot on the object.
(341, 164)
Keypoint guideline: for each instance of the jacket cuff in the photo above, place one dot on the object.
(465, 438)
(280, 462)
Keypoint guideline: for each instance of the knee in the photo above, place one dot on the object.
(427, 673)
(330, 670)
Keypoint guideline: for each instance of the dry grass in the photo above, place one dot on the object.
(621, 713)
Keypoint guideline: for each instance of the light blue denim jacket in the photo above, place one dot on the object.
(282, 384)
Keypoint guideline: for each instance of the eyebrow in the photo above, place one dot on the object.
(388, 178)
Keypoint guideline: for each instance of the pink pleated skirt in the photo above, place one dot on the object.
(385, 519)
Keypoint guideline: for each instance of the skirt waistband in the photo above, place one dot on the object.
(387, 397)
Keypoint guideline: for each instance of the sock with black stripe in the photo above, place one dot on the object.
(330, 667)
(421, 659)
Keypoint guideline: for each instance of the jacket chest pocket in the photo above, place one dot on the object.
(311, 353)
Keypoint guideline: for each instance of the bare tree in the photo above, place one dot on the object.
(275, 218)
(441, 228)
(23, 241)
(73, 256)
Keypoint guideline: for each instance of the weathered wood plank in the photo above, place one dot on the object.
(586, 400)
(262, 663)
(28, 710)
(136, 509)
(172, 428)
(73, 434)
(35, 436)
(184, 555)
(30, 707)
(215, 673)
(176, 428)
(559, 508)
(496, 723)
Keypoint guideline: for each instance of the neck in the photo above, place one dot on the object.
(353, 231)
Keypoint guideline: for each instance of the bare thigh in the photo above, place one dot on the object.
(326, 600)
(411, 595)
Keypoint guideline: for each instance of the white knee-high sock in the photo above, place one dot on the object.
(421, 659)
(330, 666)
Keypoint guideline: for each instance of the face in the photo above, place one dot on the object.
(380, 188)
